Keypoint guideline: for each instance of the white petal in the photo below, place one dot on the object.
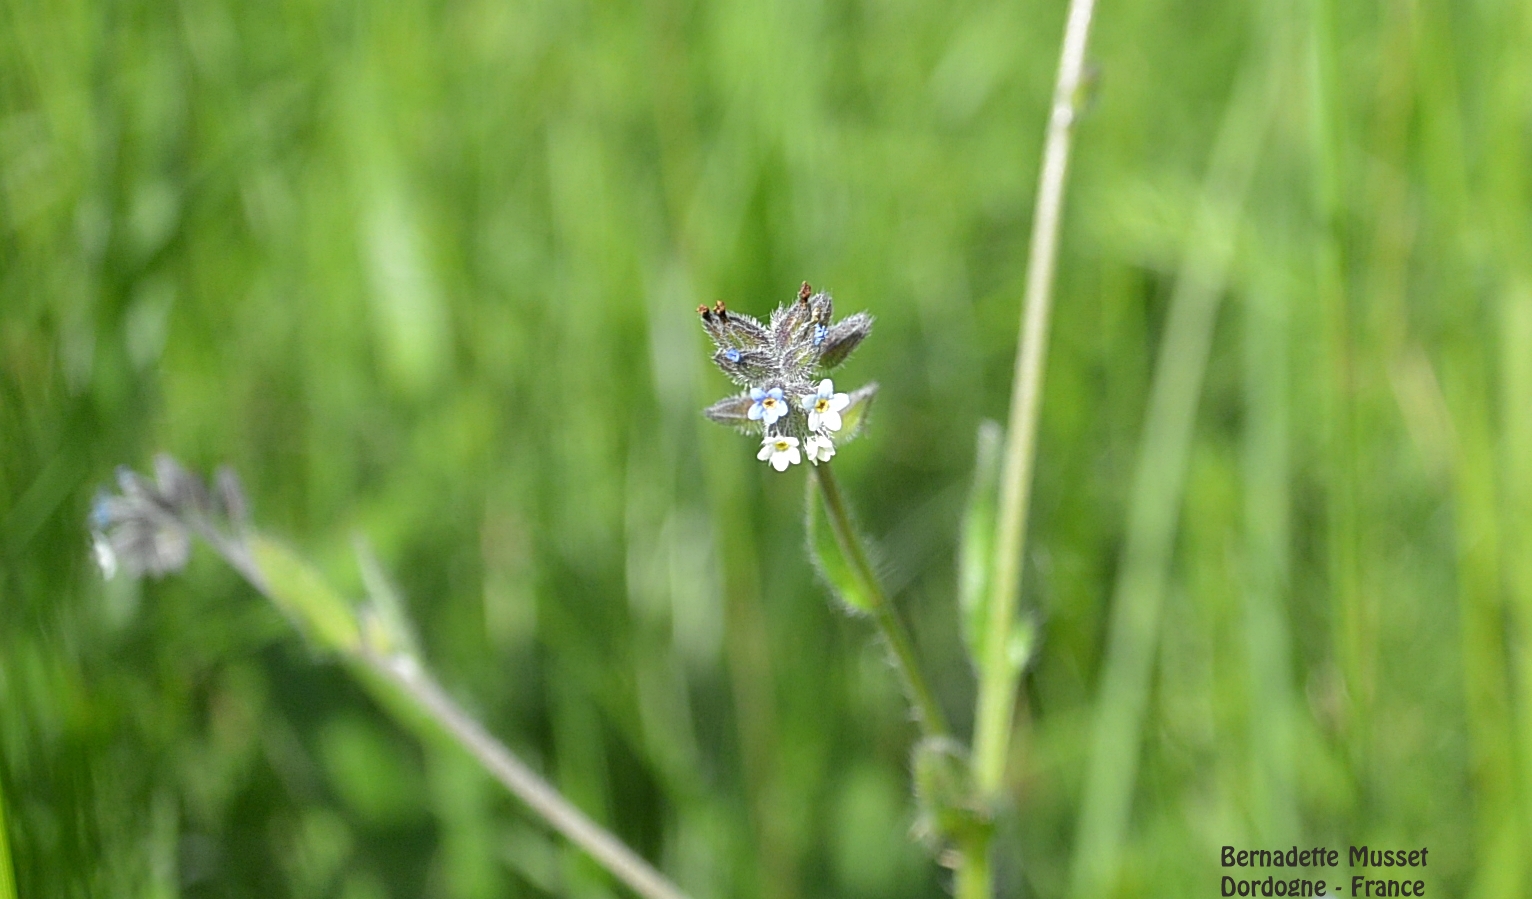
(813, 421)
(779, 461)
(765, 452)
(826, 387)
(792, 456)
(831, 421)
(839, 402)
(106, 558)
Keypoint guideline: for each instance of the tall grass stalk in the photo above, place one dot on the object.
(1268, 532)
(1516, 451)
(1355, 627)
(1138, 595)
(998, 674)
(1508, 177)
(7, 876)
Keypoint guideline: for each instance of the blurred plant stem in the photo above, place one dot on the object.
(376, 642)
(852, 548)
(7, 876)
(614, 855)
(998, 672)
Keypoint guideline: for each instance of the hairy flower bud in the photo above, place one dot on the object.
(843, 337)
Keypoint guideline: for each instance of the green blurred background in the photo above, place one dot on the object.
(426, 271)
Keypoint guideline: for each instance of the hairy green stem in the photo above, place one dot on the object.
(927, 710)
(998, 674)
(974, 877)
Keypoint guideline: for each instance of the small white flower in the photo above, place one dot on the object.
(825, 406)
(767, 405)
(819, 448)
(106, 557)
(780, 451)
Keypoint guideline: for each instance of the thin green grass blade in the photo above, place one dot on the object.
(1154, 510)
(7, 876)
(978, 539)
(829, 557)
(1271, 797)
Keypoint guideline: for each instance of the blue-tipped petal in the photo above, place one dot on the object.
(100, 512)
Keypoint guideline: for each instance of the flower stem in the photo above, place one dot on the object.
(884, 615)
(998, 674)
(539, 795)
(289, 584)
(973, 876)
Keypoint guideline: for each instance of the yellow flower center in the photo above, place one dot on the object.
(821, 405)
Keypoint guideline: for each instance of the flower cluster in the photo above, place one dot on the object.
(780, 364)
(147, 528)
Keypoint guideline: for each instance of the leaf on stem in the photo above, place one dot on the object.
(829, 557)
(854, 416)
(298, 590)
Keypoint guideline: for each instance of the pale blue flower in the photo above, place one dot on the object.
(767, 405)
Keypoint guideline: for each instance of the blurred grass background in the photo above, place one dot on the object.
(426, 271)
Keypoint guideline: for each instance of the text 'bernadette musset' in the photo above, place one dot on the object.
(1361, 885)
